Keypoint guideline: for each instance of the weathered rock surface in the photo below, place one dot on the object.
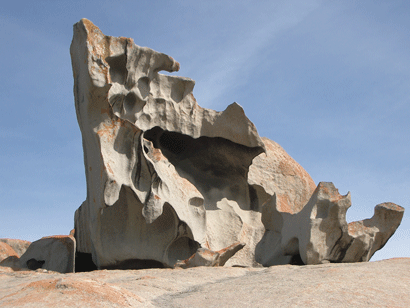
(371, 284)
(165, 176)
(19, 246)
(169, 181)
(207, 257)
(6, 251)
(55, 253)
(319, 232)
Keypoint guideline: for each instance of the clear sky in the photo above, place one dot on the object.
(328, 80)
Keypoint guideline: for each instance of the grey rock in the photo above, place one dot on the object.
(54, 253)
(164, 175)
(168, 180)
(319, 233)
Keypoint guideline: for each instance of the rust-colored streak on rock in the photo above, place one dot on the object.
(283, 204)
(6, 251)
(66, 291)
(157, 154)
(109, 131)
(356, 227)
(286, 168)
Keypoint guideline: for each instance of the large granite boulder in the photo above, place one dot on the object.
(168, 180)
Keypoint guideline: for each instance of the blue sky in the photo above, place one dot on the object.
(328, 80)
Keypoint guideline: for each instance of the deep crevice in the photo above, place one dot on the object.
(84, 262)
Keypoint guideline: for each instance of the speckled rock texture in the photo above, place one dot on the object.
(164, 175)
(167, 178)
(371, 284)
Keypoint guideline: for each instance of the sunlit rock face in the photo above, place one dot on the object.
(167, 178)
(319, 233)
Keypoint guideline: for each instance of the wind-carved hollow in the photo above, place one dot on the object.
(133, 104)
(322, 209)
(34, 264)
(143, 86)
(217, 167)
(197, 202)
(181, 249)
(118, 68)
(239, 199)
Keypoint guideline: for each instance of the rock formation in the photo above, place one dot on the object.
(319, 233)
(370, 284)
(19, 246)
(55, 253)
(168, 180)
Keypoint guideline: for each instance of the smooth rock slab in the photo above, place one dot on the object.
(371, 284)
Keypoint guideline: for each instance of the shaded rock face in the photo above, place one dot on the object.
(168, 180)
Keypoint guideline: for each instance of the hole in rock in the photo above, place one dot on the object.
(84, 262)
(143, 86)
(182, 248)
(296, 260)
(34, 264)
(118, 68)
(196, 202)
(132, 104)
(216, 166)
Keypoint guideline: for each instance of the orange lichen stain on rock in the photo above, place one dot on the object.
(6, 251)
(66, 291)
(157, 154)
(284, 204)
(286, 168)
(332, 194)
(108, 168)
(223, 250)
(206, 245)
(357, 228)
(391, 206)
(109, 130)
(99, 47)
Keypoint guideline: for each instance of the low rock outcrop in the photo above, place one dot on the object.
(371, 284)
(19, 246)
(168, 180)
(319, 233)
(55, 253)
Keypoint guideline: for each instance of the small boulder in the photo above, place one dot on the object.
(207, 257)
(55, 253)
